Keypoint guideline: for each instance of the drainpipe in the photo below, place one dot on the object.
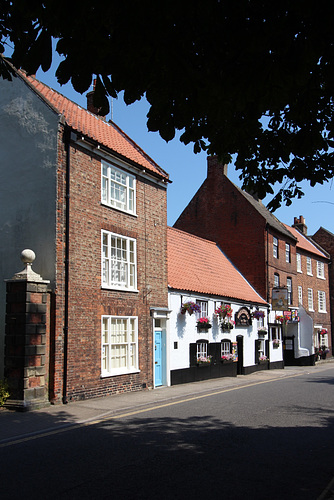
(66, 263)
(267, 264)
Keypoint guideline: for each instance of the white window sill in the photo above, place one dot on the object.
(322, 312)
(309, 274)
(119, 289)
(311, 310)
(321, 278)
(119, 372)
(105, 204)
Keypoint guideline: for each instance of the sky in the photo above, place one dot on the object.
(187, 170)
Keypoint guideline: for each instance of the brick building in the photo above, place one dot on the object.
(258, 244)
(92, 205)
(326, 239)
(313, 283)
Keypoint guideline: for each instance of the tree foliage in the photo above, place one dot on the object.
(250, 78)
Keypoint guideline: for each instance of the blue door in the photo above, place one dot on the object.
(157, 358)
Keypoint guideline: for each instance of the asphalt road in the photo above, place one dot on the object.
(272, 440)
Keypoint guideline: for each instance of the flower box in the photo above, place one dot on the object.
(227, 326)
(203, 324)
(204, 361)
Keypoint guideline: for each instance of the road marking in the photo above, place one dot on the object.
(69, 427)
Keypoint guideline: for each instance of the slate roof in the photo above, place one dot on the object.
(198, 265)
(305, 244)
(89, 125)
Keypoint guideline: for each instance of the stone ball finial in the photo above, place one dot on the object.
(28, 256)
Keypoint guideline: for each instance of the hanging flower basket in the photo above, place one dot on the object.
(224, 311)
(262, 331)
(190, 307)
(203, 324)
(258, 314)
(324, 331)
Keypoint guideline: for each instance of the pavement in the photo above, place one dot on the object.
(18, 426)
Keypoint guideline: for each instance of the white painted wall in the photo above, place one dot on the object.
(182, 329)
(28, 155)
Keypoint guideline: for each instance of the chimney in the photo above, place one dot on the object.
(215, 167)
(299, 223)
(90, 105)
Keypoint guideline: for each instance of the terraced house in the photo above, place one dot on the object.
(92, 205)
(262, 248)
(313, 285)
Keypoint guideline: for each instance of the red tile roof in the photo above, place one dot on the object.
(198, 265)
(105, 133)
(304, 243)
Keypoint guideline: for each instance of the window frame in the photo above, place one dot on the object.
(131, 346)
(201, 348)
(289, 287)
(225, 347)
(275, 247)
(320, 270)
(275, 332)
(127, 265)
(323, 340)
(310, 300)
(300, 295)
(204, 305)
(108, 185)
(322, 301)
(287, 252)
(276, 280)
(299, 263)
(309, 266)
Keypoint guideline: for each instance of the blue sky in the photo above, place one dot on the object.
(188, 170)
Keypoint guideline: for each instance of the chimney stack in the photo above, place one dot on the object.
(299, 223)
(215, 167)
(90, 105)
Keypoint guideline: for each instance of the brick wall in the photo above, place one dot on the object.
(326, 240)
(219, 212)
(280, 266)
(87, 301)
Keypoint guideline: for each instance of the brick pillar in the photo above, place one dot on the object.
(26, 353)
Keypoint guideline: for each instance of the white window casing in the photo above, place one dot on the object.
(299, 262)
(118, 188)
(287, 252)
(310, 299)
(300, 295)
(309, 266)
(119, 345)
(119, 262)
(321, 301)
(275, 247)
(202, 350)
(320, 270)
